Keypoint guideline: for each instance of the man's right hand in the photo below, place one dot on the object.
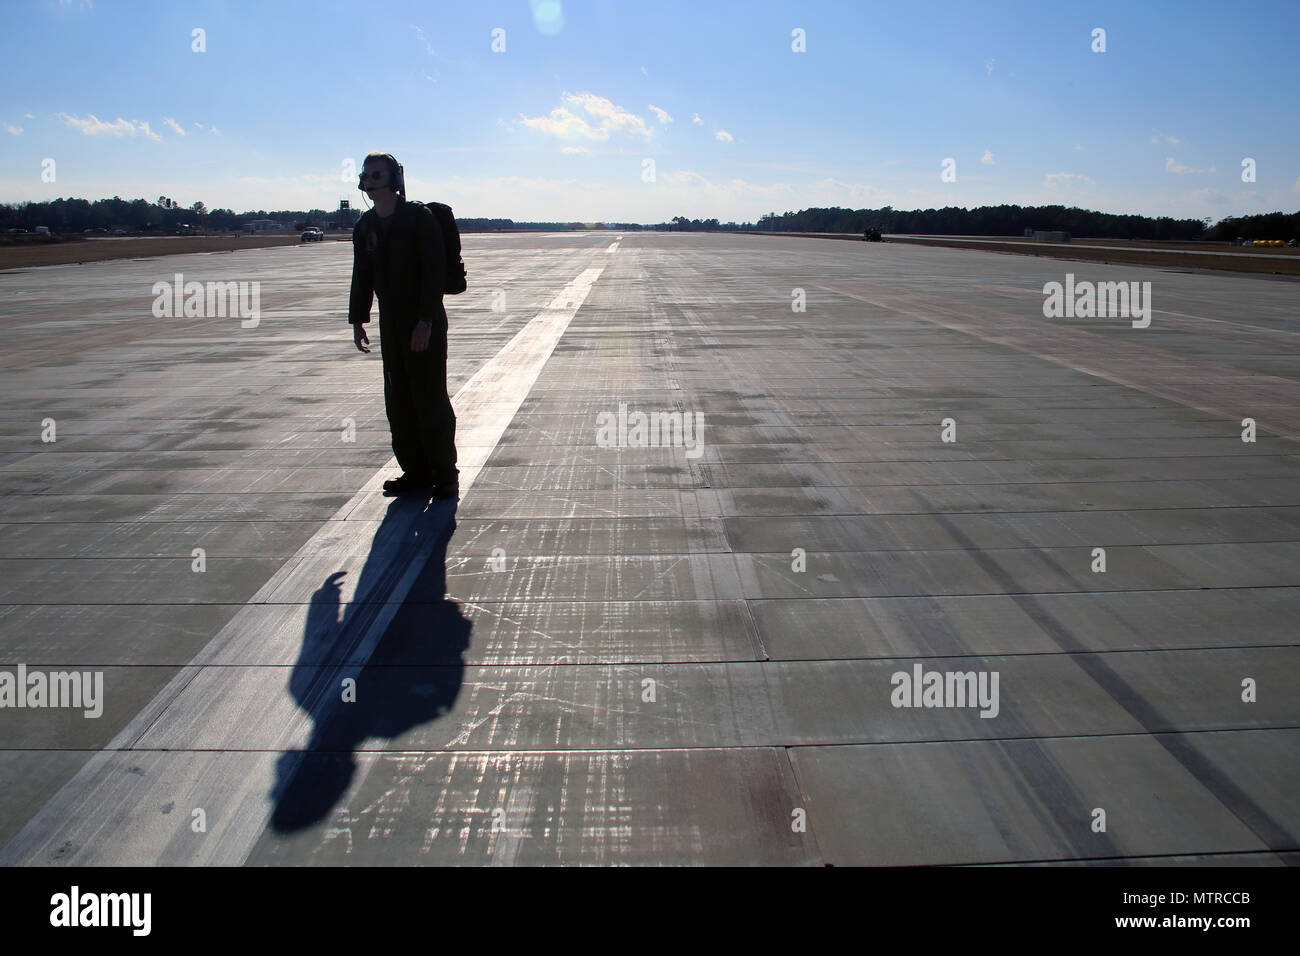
(359, 336)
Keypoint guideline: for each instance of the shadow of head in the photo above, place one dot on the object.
(357, 687)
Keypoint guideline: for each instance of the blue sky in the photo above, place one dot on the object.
(558, 126)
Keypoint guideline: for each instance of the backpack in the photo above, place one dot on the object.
(455, 273)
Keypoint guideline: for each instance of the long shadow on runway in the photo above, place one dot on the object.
(412, 677)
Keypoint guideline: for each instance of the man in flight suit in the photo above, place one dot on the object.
(397, 254)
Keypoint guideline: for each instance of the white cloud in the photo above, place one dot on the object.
(987, 158)
(14, 130)
(1171, 165)
(92, 125)
(608, 117)
(1058, 179)
(174, 125)
(696, 120)
(661, 114)
(723, 136)
(857, 192)
(575, 149)
(297, 180)
(428, 47)
(682, 177)
(988, 66)
(1159, 136)
(788, 167)
(564, 124)
(28, 116)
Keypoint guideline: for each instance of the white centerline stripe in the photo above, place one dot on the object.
(107, 816)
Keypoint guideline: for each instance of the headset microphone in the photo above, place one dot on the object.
(396, 177)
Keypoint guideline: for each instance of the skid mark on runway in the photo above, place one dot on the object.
(1221, 390)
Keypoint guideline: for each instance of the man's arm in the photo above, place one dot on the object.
(363, 285)
(433, 265)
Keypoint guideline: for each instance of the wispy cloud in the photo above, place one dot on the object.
(987, 158)
(1158, 136)
(1060, 179)
(92, 125)
(661, 114)
(313, 180)
(1173, 166)
(696, 120)
(723, 136)
(988, 65)
(788, 167)
(575, 149)
(428, 47)
(174, 125)
(14, 130)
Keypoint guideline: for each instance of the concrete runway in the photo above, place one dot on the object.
(652, 655)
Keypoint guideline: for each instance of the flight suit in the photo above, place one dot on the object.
(401, 261)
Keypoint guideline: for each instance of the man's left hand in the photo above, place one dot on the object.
(420, 337)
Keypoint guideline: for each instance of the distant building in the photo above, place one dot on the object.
(1046, 236)
(263, 225)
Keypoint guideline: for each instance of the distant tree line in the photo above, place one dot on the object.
(166, 215)
(1272, 225)
(1014, 220)
(138, 215)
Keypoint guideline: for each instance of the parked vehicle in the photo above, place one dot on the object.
(312, 234)
(42, 230)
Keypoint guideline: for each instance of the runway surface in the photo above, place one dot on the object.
(684, 654)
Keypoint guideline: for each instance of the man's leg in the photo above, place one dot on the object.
(431, 409)
(402, 421)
